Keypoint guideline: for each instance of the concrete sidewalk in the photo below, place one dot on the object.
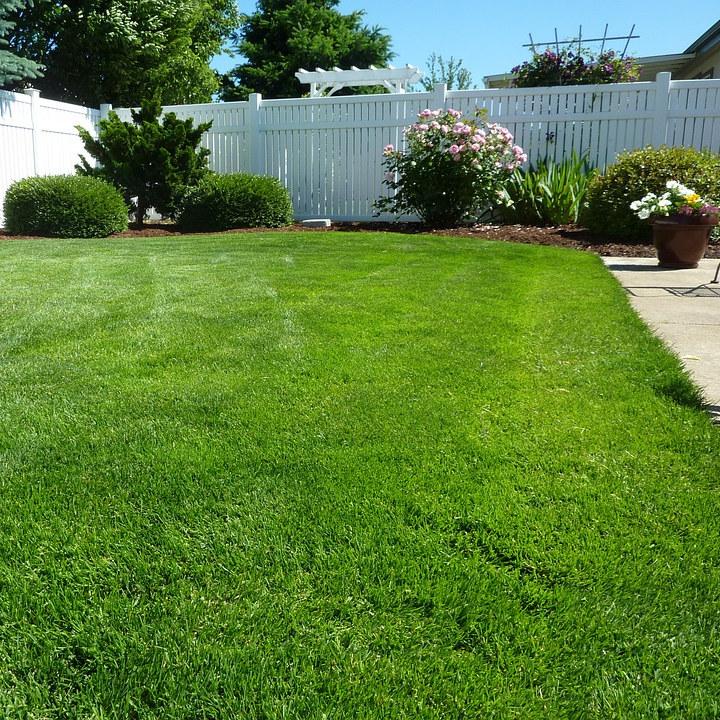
(683, 308)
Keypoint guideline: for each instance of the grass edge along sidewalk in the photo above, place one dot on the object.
(681, 306)
(372, 475)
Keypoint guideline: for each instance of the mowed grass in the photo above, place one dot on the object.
(342, 475)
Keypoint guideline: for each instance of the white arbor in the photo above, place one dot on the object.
(327, 82)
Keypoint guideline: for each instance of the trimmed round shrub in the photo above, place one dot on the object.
(607, 208)
(64, 206)
(239, 200)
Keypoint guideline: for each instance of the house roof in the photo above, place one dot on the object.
(653, 64)
(709, 38)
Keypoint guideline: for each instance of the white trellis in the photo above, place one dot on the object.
(327, 82)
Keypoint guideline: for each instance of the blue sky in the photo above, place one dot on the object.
(488, 37)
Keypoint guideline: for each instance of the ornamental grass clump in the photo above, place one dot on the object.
(452, 170)
(549, 193)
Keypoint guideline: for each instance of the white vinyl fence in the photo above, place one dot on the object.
(328, 151)
(38, 137)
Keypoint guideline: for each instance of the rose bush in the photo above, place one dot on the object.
(452, 169)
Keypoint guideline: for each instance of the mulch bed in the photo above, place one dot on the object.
(569, 236)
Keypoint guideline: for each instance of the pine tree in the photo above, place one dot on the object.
(13, 69)
(283, 36)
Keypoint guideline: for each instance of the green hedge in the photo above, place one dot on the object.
(607, 209)
(240, 200)
(64, 206)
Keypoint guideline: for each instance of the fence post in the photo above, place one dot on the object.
(257, 165)
(439, 96)
(35, 124)
(662, 107)
(105, 109)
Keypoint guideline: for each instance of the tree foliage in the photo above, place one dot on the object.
(13, 69)
(451, 72)
(152, 161)
(283, 36)
(121, 51)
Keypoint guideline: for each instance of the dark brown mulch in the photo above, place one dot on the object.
(569, 236)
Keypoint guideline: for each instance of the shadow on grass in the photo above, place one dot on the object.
(681, 390)
(635, 267)
(714, 412)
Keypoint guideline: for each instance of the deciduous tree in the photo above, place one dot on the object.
(451, 72)
(121, 51)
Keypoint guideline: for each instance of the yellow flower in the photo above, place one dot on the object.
(692, 198)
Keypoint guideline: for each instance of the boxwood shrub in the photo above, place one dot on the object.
(239, 200)
(636, 173)
(64, 206)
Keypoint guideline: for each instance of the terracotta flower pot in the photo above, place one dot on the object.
(681, 240)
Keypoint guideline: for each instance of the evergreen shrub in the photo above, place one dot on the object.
(637, 173)
(238, 200)
(64, 206)
(152, 160)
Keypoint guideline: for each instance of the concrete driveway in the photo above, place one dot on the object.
(683, 308)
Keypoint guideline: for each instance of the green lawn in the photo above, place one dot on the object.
(342, 475)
